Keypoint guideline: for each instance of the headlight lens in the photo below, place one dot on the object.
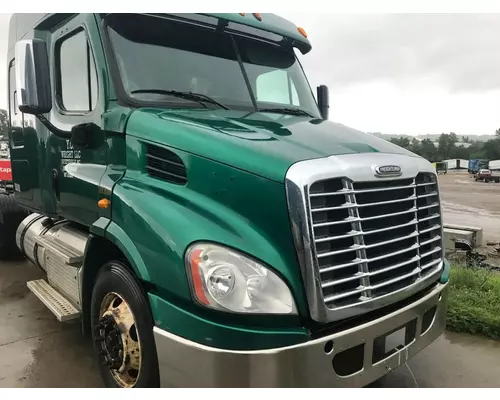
(226, 280)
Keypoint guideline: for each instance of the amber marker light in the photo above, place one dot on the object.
(194, 262)
(104, 203)
(302, 32)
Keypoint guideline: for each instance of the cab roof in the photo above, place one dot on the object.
(20, 24)
(271, 23)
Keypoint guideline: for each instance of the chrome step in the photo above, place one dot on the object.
(60, 306)
(68, 254)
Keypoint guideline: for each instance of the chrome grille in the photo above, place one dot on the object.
(374, 238)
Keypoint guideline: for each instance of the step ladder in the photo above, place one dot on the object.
(61, 307)
(62, 264)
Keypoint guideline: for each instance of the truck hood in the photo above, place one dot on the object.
(265, 144)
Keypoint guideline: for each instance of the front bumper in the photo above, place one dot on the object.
(350, 358)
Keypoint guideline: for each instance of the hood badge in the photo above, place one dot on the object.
(387, 170)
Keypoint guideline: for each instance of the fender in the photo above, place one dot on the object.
(106, 241)
(120, 239)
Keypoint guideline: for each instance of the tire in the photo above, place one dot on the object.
(115, 279)
(11, 215)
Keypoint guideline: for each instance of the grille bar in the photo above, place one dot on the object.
(429, 218)
(411, 210)
(337, 267)
(431, 264)
(395, 253)
(431, 252)
(344, 221)
(352, 205)
(344, 191)
(373, 238)
(413, 222)
(362, 289)
(430, 240)
(361, 275)
(428, 195)
(429, 206)
(346, 205)
(432, 228)
(425, 184)
(395, 266)
(347, 235)
(369, 246)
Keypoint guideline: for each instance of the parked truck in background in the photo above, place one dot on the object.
(440, 167)
(476, 164)
(188, 200)
(487, 175)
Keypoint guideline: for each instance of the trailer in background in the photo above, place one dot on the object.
(441, 167)
(477, 164)
(495, 165)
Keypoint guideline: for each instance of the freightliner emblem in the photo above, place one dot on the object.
(386, 170)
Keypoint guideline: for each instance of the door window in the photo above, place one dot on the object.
(16, 118)
(77, 75)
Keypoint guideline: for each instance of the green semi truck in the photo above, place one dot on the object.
(189, 201)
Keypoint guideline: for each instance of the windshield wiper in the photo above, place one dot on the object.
(289, 111)
(198, 97)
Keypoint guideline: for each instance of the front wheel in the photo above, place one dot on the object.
(122, 329)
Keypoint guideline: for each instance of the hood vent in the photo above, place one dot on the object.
(164, 164)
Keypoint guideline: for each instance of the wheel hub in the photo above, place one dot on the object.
(108, 339)
(117, 340)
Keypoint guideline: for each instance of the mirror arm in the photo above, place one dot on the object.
(56, 131)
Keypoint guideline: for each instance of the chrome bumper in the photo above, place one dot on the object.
(312, 364)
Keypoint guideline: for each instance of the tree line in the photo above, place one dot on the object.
(447, 147)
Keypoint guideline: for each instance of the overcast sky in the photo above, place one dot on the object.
(396, 73)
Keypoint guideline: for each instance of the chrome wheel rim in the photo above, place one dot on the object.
(118, 341)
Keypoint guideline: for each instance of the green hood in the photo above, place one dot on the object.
(265, 144)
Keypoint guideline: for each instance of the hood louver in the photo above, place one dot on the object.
(164, 164)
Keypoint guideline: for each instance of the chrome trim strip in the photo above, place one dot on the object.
(357, 168)
(303, 364)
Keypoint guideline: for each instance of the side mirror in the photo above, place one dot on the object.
(33, 77)
(323, 101)
(87, 135)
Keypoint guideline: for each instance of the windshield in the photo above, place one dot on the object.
(156, 56)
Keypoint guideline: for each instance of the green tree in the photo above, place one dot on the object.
(415, 146)
(4, 124)
(402, 142)
(491, 149)
(428, 150)
(460, 152)
(446, 144)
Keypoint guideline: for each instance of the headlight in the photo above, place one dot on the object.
(226, 280)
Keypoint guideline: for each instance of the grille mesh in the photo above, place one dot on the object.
(374, 238)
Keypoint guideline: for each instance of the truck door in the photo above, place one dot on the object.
(23, 145)
(78, 98)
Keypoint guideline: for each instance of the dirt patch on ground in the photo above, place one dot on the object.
(467, 202)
